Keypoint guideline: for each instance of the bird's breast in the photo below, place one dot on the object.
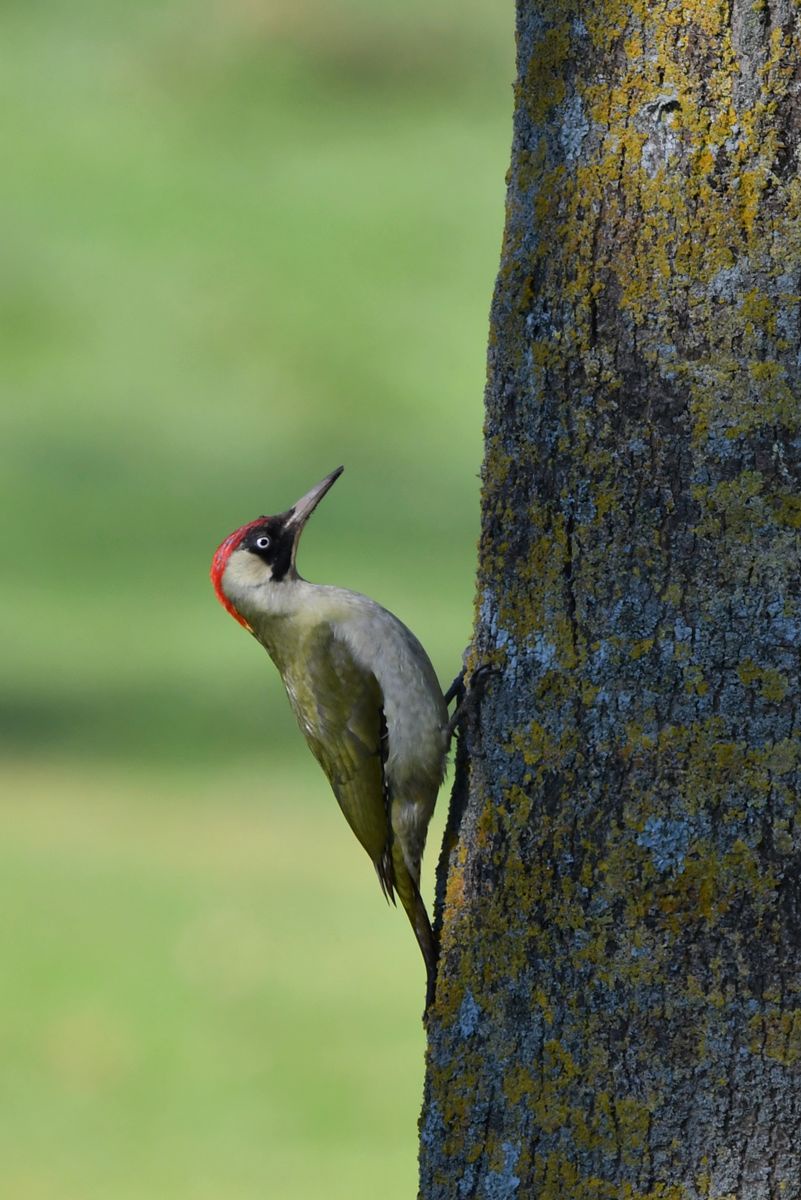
(329, 647)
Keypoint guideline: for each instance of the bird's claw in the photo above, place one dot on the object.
(467, 693)
(455, 691)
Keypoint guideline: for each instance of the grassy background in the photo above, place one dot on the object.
(243, 242)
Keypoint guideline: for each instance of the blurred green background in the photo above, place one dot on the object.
(242, 242)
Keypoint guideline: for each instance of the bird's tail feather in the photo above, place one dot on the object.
(407, 889)
(385, 871)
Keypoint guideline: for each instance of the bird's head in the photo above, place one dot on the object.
(263, 552)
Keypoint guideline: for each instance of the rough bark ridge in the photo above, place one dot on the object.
(619, 1005)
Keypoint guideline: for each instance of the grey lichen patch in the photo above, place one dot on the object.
(503, 1184)
(578, 29)
(432, 1125)
(659, 119)
(726, 284)
(469, 1016)
(667, 841)
(750, 50)
(467, 1184)
(574, 126)
(498, 640)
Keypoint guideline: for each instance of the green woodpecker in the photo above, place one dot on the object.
(362, 688)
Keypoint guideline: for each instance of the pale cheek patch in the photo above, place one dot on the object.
(245, 571)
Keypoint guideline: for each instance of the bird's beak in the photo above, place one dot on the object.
(303, 508)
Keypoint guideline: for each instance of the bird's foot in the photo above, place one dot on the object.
(456, 690)
(466, 693)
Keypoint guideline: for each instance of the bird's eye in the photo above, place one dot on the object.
(262, 542)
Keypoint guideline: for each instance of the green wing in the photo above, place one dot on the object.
(339, 706)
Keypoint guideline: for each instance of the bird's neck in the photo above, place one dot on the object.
(293, 600)
(284, 615)
(269, 601)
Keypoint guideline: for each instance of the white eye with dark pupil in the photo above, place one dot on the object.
(262, 542)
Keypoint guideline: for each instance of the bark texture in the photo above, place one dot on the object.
(619, 1003)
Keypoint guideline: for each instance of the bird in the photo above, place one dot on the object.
(364, 692)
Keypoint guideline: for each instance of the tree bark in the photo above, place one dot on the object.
(618, 1010)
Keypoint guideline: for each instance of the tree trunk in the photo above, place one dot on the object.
(619, 1003)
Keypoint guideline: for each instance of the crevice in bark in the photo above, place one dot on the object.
(456, 808)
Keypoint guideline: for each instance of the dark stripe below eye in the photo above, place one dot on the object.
(281, 558)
